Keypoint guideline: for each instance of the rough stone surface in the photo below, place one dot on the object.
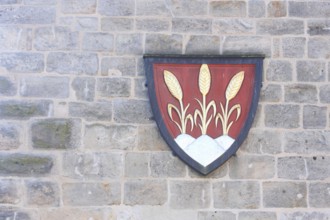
(27, 15)
(113, 87)
(319, 48)
(314, 116)
(132, 111)
(78, 7)
(307, 142)
(324, 94)
(11, 215)
(162, 43)
(114, 24)
(263, 142)
(271, 93)
(276, 9)
(282, 116)
(137, 164)
(279, 71)
(163, 164)
(291, 168)
(118, 66)
(140, 88)
(8, 86)
(97, 111)
(257, 216)
(203, 44)
(116, 7)
(318, 167)
(256, 9)
(149, 139)
(310, 71)
(22, 62)
(305, 215)
(294, 47)
(319, 195)
(152, 24)
(233, 26)
(15, 38)
(318, 27)
(228, 8)
(152, 8)
(83, 213)
(214, 215)
(98, 42)
(84, 88)
(309, 9)
(197, 26)
(10, 135)
(40, 193)
(9, 192)
(280, 27)
(300, 93)
(86, 24)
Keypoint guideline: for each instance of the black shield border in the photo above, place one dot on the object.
(149, 60)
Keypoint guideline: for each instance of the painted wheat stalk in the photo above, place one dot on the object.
(233, 88)
(204, 83)
(174, 87)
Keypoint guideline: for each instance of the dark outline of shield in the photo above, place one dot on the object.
(256, 60)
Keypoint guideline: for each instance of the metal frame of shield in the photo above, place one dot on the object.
(204, 106)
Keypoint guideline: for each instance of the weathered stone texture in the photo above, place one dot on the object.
(141, 88)
(279, 71)
(271, 93)
(163, 43)
(319, 48)
(86, 24)
(132, 111)
(78, 7)
(15, 38)
(40, 193)
(116, 7)
(203, 45)
(214, 215)
(8, 86)
(98, 42)
(291, 168)
(318, 27)
(114, 24)
(263, 142)
(318, 167)
(22, 62)
(282, 116)
(257, 216)
(27, 15)
(309, 9)
(310, 71)
(319, 195)
(194, 26)
(82, 213)
(228, 8)
(118, 66)
(96, 111)
(256, 9)
(300, 93)
(280, 27)
(314, 116)
(187, 7)
(153, 24)
(276, 9)
(149, 138)
(302, 215)
(152, 8)
(84, 88)
(233, 26)
(324, 94)
(113, 87)
(14, 214)
(10, 135)
(137, 164)
(293, 47)
(164, 164)
(10, 192)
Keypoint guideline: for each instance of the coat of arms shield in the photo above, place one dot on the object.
(204, 106)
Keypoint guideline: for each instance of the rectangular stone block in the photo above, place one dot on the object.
(116, 7)
(153, 24)
(306, 142)
(318, 167)
(284, 194)
(324, 94)
(55, 38)
(56, 133)
(314, 116)
(310, 71)
(10, 192)
(203, 44)
(18, 164)
(164, 164)
(291, 168)
(39, 2)
(279, 70)
(228, 8)
(8, 86)
(149, 139)
(257, 216)
(280, 27)
(114, 24)
(93, 165)
(152, 8)
(276, 9)
(68, 213)
(318, 27)
(303, 215)
(300, 93)
(78, 7)
(317, 9)
(271, 93)
(236, 194)
(23, 110)
(319, 196)
(145, 192)
(10, 135)
(98, 42)
(86, 24)
(182, 191)
(256, 9)
(319, 48)
(187, 7)
(96, 111)
(233, 26)
(84, 88)
(193, 26)
(91, 194)
(42, 193)
(131, 44)
(137, 164)
(113, 87)
(27, 15)
(22, 62)
(214, 215)
(247, 45)
(251, 167)
(112, 137)
(163, 43)
(72, 63)
(293, 47)
(282, 116)
(15, 38)
(140, 88)
(118, 66)
(132, 111)
(10, 214)
(45, 87)
(9, 2)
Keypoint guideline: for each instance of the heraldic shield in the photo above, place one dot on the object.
(204, 106)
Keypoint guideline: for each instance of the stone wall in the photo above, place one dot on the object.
(77, 138)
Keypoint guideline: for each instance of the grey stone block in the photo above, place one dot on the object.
(18, 164)
(186, 194)
(8, 2)
(22, 62)
(42, 193)
(84, 88)
(152, 8)
(257, 216)
(307, 142)
(215, 215)
(318, 167)
(15, 38)
(46, 87)
(233, 26)
(271, 93)
(291, 168)
(300, 93)
(99, 136)
(293, 47)
(164, 164)
(228, 8)
(280, 27)
(93, 165)
(149, 139)
(118, 66)
(10, 135)
(96, 111)
(324, 94)
(187, 7)
(86, 24)
(302, 215)
(55, 38)
(72, 63)
(39, 2)
(203, 45)
(282, 116)
(27, 15)
(140, 88)
(163, 43)
(78, 7)
(14, 214)
(252, 167)
(145, 192)
(256, 9)
(314, 116)
(114, 24)
(22, 110)
(70, 213)
(9, 192)
(132, 111)
(137, 164)
(284, 194)
(113, 87)
(129, 44)
(193, 26)
(310, 71)
(276, 9)
(309, 9)
(319, 48)
(319, 196)
(8, 86)
(153, 24)
(236, 195)
(247, 45)
(98, 42)
(116, 7)
(318, 27)
(91, 194)
(55, 133)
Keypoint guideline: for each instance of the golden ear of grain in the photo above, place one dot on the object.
(173, 85)
(234, 85)
(204, 80)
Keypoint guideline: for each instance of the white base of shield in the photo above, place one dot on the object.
(204, 149)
